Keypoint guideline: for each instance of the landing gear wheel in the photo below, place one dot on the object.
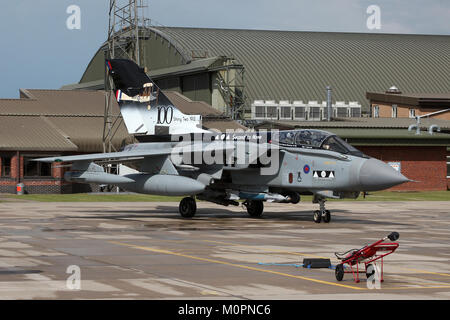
(339, 272)
(294, 197)
(317, 216)
(255, 208)
(326, 216)
(187, 207)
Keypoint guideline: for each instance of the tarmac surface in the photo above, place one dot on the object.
(146, 250)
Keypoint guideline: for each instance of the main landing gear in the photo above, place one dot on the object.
(187, 207)
(322, 214)
(254, 208)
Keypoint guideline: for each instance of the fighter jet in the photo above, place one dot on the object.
(226, 168)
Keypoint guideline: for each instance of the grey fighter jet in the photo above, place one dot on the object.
(230, 168)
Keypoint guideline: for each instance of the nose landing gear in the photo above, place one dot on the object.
(322, 214)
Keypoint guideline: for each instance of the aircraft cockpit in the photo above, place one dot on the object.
(315, 139)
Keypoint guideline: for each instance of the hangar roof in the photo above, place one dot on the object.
(427, 100)
(366, 123)
(293, 65)
(67, 121)
(19, 133)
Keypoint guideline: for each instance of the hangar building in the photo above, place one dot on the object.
(221, 66)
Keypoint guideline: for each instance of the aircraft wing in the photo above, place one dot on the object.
(152, 150)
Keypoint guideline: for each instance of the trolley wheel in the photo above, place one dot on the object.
(187, 207)
(339, 272)
(255, 208)
(326, 217)
(317, 216)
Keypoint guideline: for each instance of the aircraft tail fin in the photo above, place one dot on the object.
(144, 107)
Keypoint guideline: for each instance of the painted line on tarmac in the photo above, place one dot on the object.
(426, 272)
(235, 265)
(421, 287)
(266, 250)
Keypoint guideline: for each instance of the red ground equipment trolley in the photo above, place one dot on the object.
(369, 255)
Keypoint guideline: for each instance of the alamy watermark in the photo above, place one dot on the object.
(374, 278)
(73, 282)
(73, 22)
(374, 19)
(230, 148)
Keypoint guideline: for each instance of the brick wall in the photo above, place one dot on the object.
(427, 165)
(385, 111)
(53, 184)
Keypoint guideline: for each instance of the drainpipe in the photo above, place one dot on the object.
(18, 167)
(329, 107)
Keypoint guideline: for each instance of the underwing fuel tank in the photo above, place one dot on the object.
(95, 177)
(262, 196)
(163, 184)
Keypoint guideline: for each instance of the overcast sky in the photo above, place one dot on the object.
(39, 51)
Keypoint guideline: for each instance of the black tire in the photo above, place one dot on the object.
(339, 272)
(327, 216)
(187, 207)
(295, 197)
(317, 216)
(255, 208)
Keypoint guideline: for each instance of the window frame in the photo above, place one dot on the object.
(376, 111)
(3, 166)
(27, 158)
(394, 111)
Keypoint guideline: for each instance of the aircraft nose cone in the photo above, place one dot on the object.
(377, 175)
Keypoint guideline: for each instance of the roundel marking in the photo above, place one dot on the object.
(306, 169)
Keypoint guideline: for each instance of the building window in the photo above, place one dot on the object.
(36, 169)
(314, 113)
(259, 112)
(6, 167)
(394, 111)
(300, 112)
(412, 113)
(342, 112)
(355, 112)
(376, 111)
(285, 112)
(272, 112)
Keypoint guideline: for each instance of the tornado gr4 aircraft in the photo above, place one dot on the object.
(223, 168)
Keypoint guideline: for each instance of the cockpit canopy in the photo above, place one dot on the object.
(314, 139)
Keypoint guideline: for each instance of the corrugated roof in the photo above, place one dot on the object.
(222, 125)
(193, 67)
(299, 65)
(432, 100)
(87, 132)
(187, 106)
(294, 65)
(69, 102)
(65, 120)
(33, 133)
(364, 123)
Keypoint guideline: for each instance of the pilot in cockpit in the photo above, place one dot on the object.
(287, 137)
